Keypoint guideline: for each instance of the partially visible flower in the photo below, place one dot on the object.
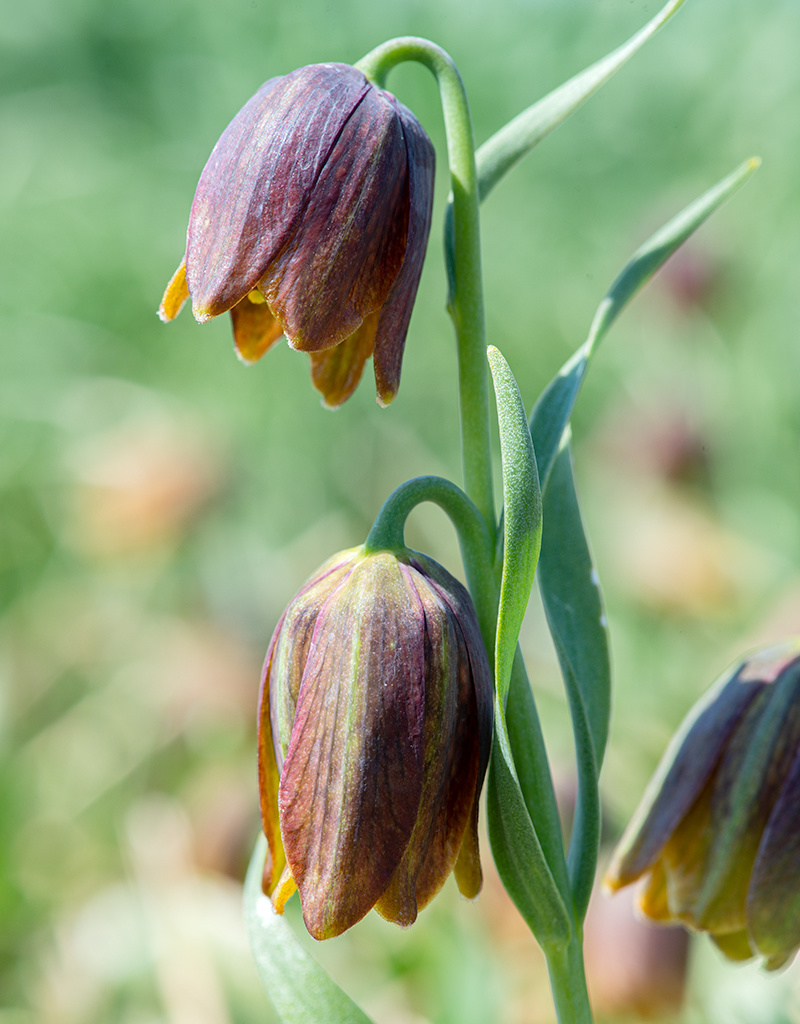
(311, 219)
(718, 833)
(375, 726)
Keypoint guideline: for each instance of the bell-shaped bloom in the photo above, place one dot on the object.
(375, 726)
(718, 832)
(311, 219)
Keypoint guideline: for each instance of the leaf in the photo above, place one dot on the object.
(571, 595)
(301, 991)
(533, 772)
(554, 408)
(517, 138)
(516, 847)
(522, 528)
(499, 153)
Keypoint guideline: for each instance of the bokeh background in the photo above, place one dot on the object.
(160, 502)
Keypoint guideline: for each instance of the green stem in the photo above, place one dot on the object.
(466, 297)
(568, 982)
(476, 543)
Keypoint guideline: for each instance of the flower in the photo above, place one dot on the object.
(311, 219)
(375, 725)
(717, 833)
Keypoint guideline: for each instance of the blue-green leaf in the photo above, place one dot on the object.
(574, 608)
(516, 847)
(499, 153)
(301, 991)
(533, 773)
(517, 138)
(554, 408)
(522, 528)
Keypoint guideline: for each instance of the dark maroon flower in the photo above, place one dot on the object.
(311, 219)
(375, 725)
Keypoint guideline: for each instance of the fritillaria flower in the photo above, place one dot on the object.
(375, 727)
(718, 833)
(311, 219)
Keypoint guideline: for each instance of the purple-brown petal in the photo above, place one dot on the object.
(396, 312)
(475, 726)
(280, 681)
(255, 186)
(453, 844)
(432, 848)
(349, 247)
(352, 779)
(295, 634)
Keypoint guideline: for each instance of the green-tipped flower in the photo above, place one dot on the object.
(718, 832)
(311, 220)
(375, 726)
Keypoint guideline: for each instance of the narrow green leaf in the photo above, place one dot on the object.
(533, 772)
(499, 153)
(554, 408)
(516, 847)
(517, 138)
(522, 529)
(571, 595)
(301, 991)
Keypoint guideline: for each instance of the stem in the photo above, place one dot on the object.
(568, 982)
(475, 541)
(466, 299)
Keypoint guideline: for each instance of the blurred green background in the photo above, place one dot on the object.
(160, 502)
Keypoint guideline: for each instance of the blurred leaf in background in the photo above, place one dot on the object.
(160, 502)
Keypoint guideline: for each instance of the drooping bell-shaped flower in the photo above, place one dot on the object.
(375, 727)
(311, 219)
(718, 833)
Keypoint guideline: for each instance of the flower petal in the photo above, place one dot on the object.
(458, 801)
(253, 191)
(473, 734)
(773, 899)
(652, 901)
(735, 945)
(336, 371)
(681, 776)
(255, 329)
(176, 294)
(268, 780)
(746, 787)
(433, 846)
(396, 312)
(295, 634)
(349, 247)
(352, 779)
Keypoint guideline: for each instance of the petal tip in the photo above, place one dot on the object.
(202, 314)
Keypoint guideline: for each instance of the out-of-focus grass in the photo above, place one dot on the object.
(159, 502)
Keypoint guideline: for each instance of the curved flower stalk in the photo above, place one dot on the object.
(716, 836)
(311, 219)
(375, 727)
